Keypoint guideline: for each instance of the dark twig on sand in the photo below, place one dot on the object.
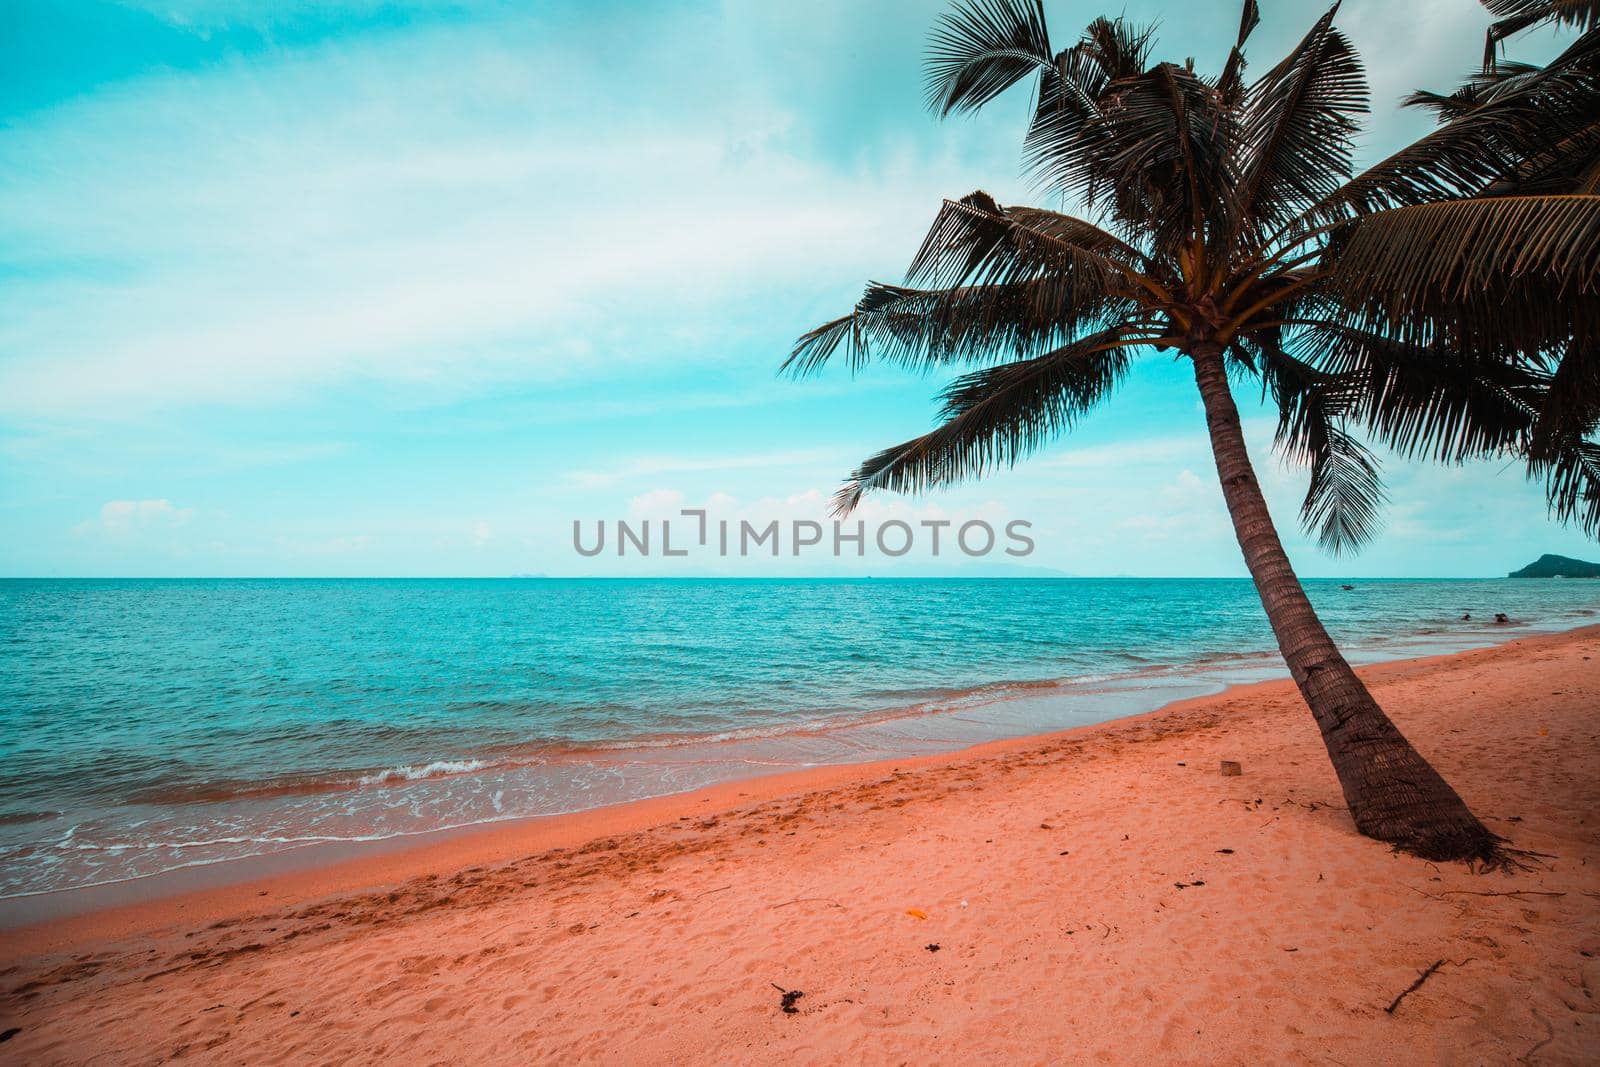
(1414, 986)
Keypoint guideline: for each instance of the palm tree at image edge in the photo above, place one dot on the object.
(1425, 301)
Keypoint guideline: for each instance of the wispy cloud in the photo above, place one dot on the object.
(429, 207)
(119, 518)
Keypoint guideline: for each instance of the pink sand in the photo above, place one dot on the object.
(1102, 895)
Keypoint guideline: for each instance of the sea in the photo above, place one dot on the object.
(152, 725)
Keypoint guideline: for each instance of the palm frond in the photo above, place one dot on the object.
(1561, 448)
(1007, 283)
(1515, 100)
(1120, 49)
(1249, 19)
(976, 241)
(1501, 275)
(1072, 95)
(1572, 484)
(927, 328)
(1344, 499)
(1464, 248)
(981, 48)
(1231, 85)
(1569, 409)
(1299, 126)
(1485, 148)
(1514, 16)
(1424, 401)
(1566, 165)
(994, 417)
(1160, 157)
(1479, 88)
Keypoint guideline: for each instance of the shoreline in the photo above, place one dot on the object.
(1009, 901)
(955, 720)
(67, 919)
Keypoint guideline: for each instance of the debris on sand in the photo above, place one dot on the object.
(788, 999)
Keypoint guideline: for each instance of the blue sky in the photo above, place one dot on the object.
(293, 288)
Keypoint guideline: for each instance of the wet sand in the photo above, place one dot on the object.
(1099, 895)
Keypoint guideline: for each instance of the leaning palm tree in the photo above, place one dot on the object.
(1221, 222)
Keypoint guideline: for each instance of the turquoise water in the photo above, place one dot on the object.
(149, 725)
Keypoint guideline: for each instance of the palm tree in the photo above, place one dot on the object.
(1221, 221)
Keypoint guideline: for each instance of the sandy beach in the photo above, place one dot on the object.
(1102, 895)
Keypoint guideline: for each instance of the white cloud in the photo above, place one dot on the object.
(119, 518)
(443, 207)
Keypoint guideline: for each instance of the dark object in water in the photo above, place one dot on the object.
(1347, 587)
(1500, 618)
(789, 997)
(1466, 616)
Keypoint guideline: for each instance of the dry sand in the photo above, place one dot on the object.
(1102, 895)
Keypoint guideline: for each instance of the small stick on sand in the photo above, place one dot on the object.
(1414, 986)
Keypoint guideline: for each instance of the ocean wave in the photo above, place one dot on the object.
(436, 769)
(307, 782)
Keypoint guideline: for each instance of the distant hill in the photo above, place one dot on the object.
(1548, 566)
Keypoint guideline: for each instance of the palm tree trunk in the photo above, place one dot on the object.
(1393, 794)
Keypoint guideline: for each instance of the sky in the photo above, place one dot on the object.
(408, 288)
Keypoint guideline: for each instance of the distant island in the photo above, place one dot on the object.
(1548, 566)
